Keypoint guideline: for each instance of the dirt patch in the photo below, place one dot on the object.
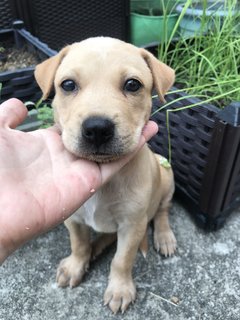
(12, 58)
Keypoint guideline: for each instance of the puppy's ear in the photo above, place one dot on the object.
(45, 72)
(163, 75)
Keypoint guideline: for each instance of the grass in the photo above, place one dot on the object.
(45, 115)
(208, 64)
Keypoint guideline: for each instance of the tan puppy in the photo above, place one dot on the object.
(102, 101)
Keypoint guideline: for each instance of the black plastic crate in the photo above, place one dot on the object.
(21, 83)
(205, 153)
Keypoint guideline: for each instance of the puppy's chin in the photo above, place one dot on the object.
(103, 154)
(101, 158)
(98, 157)
(95, 156)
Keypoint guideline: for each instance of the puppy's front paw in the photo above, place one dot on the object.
(71, 271)
(165, 242)
(119, 294)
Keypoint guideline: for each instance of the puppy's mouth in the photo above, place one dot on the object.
(101, 158)
(99, 141)
(108, 152)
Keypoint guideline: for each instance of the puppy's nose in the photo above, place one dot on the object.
(98, 130)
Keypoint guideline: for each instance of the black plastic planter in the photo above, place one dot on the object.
(21, 83)
(205, 148)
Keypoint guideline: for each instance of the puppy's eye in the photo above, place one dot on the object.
(68, 85)
(132, 85)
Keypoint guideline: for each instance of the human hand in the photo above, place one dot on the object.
(41, 183)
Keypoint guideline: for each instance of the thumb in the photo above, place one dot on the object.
(12, 113)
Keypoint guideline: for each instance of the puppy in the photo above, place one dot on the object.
(102, 101)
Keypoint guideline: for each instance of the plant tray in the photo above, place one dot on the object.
(205, 153)
(20, 83)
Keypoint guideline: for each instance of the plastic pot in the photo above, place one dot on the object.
(147, 29)
(193, 23)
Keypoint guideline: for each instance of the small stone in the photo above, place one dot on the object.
(175, 300)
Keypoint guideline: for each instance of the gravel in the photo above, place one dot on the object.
(12, 58)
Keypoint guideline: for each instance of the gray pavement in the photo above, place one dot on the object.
(203, 276)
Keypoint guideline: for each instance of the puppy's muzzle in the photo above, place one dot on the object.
(99, 140)
(98, 131)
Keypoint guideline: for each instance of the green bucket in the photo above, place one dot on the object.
(148, 29)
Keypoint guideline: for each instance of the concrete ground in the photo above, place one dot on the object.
(203, 277)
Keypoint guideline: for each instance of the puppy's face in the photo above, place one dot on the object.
(102, 97)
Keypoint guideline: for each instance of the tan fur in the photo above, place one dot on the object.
(143, 189)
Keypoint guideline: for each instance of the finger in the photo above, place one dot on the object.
(12, 113)
(109, 169)
(150, 129)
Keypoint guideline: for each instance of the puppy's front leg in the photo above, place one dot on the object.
(164, 239)
(121, 289)
(72, 268)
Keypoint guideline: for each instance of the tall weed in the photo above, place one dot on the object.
(209, 63)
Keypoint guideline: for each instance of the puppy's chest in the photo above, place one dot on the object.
(98, 214)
